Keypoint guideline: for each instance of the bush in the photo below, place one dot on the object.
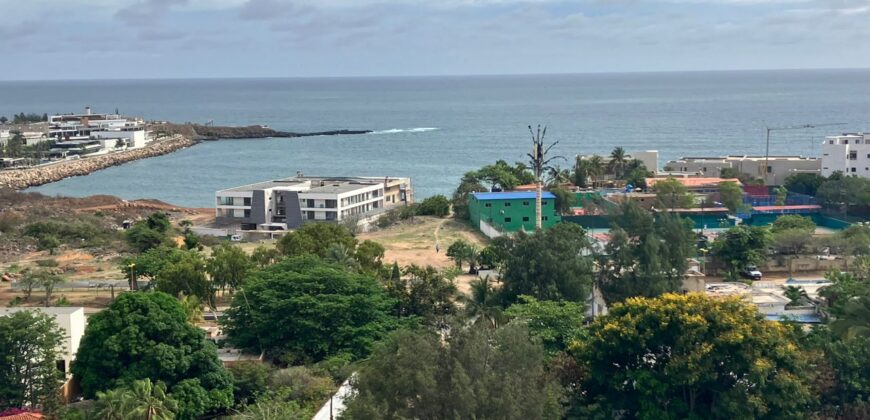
(250, 379)
(47, 263)
(437, 205)
(303, 384)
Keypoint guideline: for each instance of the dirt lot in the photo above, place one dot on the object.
(414, 243)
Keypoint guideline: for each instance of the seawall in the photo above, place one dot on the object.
(18, 179)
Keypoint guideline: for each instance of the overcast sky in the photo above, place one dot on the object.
(87, 39)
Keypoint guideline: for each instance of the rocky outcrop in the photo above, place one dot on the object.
(211, 132)
(30, 177)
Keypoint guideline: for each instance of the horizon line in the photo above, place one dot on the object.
(449, 75)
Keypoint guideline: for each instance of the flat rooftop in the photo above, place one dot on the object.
(511, 195)
(332, 185)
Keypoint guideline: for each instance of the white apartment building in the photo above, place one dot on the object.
(288, 203)
(848, 153)
(71, 127)
(772, 169)
(72, 323)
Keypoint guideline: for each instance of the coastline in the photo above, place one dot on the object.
(19, 179)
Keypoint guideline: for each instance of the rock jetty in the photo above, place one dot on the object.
(212, 132)
(18, 179)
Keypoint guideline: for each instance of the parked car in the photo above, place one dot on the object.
(751, 272)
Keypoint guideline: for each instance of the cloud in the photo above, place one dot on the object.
(147, 12)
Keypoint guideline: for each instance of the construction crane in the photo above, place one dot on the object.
(788, 127)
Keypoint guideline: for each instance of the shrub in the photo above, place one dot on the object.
(437, 205)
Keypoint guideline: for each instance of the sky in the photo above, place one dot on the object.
(100, 39)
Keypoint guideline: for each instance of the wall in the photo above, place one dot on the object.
(515, 210)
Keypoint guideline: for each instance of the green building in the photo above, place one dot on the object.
(510, 212)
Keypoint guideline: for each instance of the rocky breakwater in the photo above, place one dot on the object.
(213, 132)
(30, 177)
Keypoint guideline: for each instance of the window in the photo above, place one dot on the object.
(854, 169)
(546, 218)
(845, 141)
(544, 203)
(853, 155)
(247, 201)
(525, 218)
(769, 169)
(507, 219)
(525, 203)
(247, 214)
(488, 205)
(507, 203)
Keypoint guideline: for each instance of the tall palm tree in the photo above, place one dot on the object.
(343, 256)
(617, 161)
(148, 401)
(482, 304)
(111, 405)
(796, 295)
(595, 167)
(540, 164)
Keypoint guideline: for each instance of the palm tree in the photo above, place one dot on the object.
(617, 161)
(853, 320)
(111, 405)
(796, 295)
(482, 303)
(343, 256)
(595, 167)
(150, 402)
(540, 164)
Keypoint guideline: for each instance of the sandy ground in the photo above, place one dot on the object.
(414, 243)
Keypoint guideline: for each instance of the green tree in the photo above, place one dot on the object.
(781, 195)
(731, 195)
(689, 356)
(482, 303)
(151, 262)
(792, 221)
(556, 323)
(796, 295)
(340, 255)
(804, 183)
(646, 255)
(29, 343)
(48, 280)
(370, 256)
(844, 193)
(672, 194)
(564, 200)
(143, 400)
(478, 373)
(791, 242)
(315, 239)
(306, 309)
(469, 183)
(228, 266)
(849, 360)
(617, 162)
(48, 243)
(741, 246)
(264, 256)
(459, 251)
(188, 277)
(143, 238)
(250, 380)
(146, 336)
(548, 265)
(424, 292)
(437, 205)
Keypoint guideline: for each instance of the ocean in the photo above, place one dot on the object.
(434, 129)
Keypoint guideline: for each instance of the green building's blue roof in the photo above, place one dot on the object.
(511, 195)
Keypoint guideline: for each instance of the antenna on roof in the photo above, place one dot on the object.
(784, 128)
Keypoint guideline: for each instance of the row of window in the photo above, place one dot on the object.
(525, 219)
(508, 204)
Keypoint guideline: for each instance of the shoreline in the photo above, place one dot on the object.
(19, 179)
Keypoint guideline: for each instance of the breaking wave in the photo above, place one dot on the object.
(405, 130)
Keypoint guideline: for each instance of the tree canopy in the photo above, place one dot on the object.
(29, 343)
(740, 246)
(646, 255)
(316, 239)
(478, 373)
(305, 309)
(548, 265)
(689, 356)
(146, 336)
(672, 194)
